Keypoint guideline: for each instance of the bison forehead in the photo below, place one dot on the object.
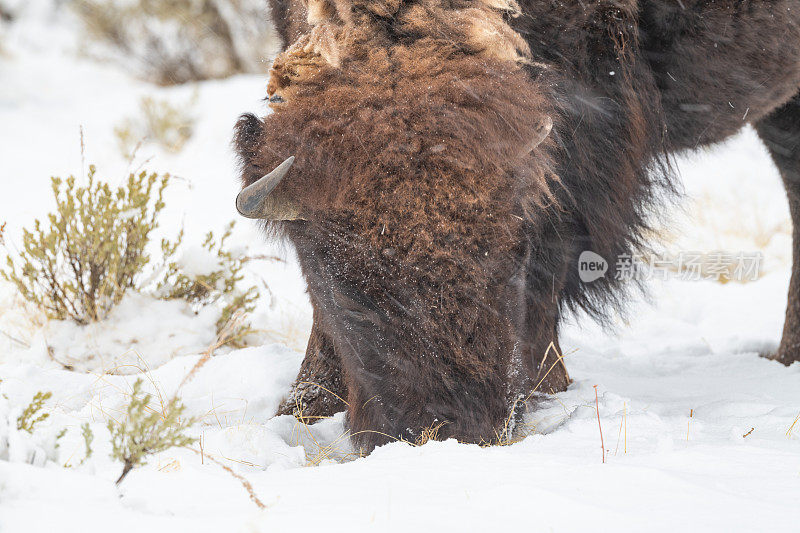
(476, 26)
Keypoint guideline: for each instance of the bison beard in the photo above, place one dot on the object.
(435, 221)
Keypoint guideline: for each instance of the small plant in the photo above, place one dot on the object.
(81, 266)
(161, 122)
(31, 415)
(88, 438)
(146, 431)
(217, 284)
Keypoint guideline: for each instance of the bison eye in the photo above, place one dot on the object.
(277, 99)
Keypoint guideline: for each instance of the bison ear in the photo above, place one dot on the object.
(541, 133)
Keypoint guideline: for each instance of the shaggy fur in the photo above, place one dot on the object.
(440, 242)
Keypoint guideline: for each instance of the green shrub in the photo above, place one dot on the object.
(146, 431)
(31, 415)
(93, 250)
(219, 285)
(177, 41)
(168, 125)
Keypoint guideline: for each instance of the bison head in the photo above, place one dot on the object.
(406, 158)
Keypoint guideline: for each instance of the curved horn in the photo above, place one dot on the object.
(257, 201)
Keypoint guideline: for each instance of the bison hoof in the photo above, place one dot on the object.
(786, 357)
(310, 403)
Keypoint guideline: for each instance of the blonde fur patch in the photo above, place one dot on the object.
(479, 27)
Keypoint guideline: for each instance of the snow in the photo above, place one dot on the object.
(132, 337)
(698, 429)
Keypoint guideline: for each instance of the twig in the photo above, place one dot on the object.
(222, 339)
(51, 353)
(789, 431)
(243, 480)
(14, 339)
(262, 257)
(597, 408)
(83, 155)
(748, 433)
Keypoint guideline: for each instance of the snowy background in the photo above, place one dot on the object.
(693, 348)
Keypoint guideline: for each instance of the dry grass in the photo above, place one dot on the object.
(791, 428)
(223, 338)
(599, 425)
(623, 423)
(510, 434)
(316, 451)
(240, 478)
(428, 434)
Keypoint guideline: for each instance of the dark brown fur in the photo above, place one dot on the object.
(289, 20)
(439, 250)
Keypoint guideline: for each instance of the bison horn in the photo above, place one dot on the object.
(257, 201)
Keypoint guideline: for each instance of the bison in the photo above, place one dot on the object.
(441, 165)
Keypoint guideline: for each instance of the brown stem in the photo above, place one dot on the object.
(127, 468)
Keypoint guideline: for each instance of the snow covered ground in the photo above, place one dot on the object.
(733, 465)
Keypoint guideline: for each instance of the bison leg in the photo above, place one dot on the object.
(542, 356)
(319, 389)
(543, 367)
(781, 133)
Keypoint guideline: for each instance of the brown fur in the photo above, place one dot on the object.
(439, 249)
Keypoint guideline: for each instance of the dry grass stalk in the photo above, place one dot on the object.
(505, 436)
(240, 478)
(597, 408)
(791, 428)
(222, 338)
(428, 434)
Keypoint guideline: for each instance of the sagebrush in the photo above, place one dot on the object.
(33, 414)
(177, 41)
(80, 263)
(160, 122)
(93, 248)
(146, 431)
(217, 284)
